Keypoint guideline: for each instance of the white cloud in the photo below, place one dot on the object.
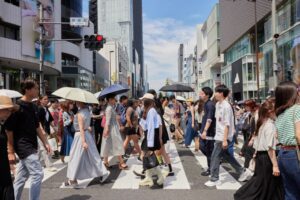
(161, 42)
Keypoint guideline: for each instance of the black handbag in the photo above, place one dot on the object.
(150, 161)
(172, 128)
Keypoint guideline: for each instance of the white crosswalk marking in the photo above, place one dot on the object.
(179, 181)
(227, 181)
(127, 179)
(83, 183)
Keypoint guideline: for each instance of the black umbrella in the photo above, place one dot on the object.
(176, 88)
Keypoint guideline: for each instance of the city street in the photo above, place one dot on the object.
(186, 184)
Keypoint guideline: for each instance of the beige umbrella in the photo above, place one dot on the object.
(76, 94)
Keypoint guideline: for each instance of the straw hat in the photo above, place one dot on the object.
(189, 100)
(147, 96)
(6, 103)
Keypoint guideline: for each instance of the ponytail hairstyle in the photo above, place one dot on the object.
(265, 111)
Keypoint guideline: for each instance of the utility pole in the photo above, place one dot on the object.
(42, 32)
(274, 42)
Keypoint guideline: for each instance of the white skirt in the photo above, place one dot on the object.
(84, 164)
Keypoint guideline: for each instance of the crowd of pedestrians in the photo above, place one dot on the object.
(35, 131)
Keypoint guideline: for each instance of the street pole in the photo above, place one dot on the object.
(256, 51)
(275, 60)
(41, 49)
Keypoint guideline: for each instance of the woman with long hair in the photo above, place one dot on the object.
(85, 161)
(288, 129)
(131, 127)
(68, 129)
(265, 183)
(152, 141)
(190, 133)
(112, 143)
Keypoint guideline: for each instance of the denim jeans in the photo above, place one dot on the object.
(29, 166)
(290, 173)
(217, 153)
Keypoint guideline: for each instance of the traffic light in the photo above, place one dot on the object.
(94, 42)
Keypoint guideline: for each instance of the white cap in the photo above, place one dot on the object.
(147, 96)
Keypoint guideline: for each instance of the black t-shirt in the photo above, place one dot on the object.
(24, 123)
(209, 114)
(42, 111)
(5, 179)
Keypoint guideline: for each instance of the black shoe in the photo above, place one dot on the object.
(171, 174)
(157, 186)
(206, 173)
(125, 156)
(142, 175)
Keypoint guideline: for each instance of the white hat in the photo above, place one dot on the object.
(147, 96)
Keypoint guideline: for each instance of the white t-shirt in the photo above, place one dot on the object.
(224, 117)
(266, 138)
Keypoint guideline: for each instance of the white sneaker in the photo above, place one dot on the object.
(104, 177)
(246, 175)
(212, 183)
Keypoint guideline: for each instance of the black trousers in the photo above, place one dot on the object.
(207, 147)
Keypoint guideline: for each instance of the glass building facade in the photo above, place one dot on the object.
(115, 22)
(288, 27)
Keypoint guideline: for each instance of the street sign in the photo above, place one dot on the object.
(79, 21)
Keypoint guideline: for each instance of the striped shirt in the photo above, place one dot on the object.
(285, 125)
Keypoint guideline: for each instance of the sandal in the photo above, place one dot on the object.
(107, 165)
(123, 166)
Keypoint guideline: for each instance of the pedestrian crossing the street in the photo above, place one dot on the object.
(127, 180)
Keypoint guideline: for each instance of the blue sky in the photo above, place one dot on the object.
(167, 23)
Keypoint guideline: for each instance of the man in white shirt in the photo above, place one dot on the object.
(224, 134)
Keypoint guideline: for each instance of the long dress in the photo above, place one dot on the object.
(84, 164)
(190, 133)
(6, 186)
(68, 135)
(113, 144)
(263, 185)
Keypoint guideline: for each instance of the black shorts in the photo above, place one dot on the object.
(130, 131)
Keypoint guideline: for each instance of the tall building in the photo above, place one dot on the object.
(115, 22)
(180, 62)
(66, 63)
(238, 45)
(138, 41)
(209, 58)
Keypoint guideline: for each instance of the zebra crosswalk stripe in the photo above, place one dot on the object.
(127, 179)
(227, 181)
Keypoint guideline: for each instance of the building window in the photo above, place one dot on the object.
(14, 2)
(10, 31)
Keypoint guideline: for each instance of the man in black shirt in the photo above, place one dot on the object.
(23, 128)
(208, 127)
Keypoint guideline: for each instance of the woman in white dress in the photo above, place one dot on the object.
(112, 143)
(85, 161)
